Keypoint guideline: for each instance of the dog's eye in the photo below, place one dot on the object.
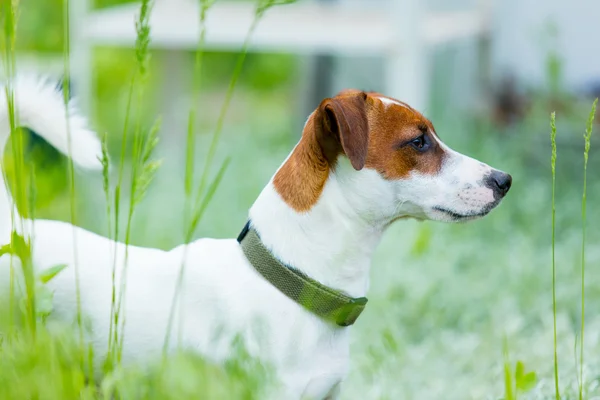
(421, 143)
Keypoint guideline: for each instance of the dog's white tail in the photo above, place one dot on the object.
(39, 106)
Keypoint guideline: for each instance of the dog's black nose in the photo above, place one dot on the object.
(499, 182)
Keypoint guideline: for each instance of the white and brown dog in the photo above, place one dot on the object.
(364, 161)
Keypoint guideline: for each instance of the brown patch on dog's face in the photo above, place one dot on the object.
(401, 140)
(371, 130)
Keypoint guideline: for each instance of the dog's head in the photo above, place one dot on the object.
(388, 162)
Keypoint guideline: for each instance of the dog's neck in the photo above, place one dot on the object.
(334, 241)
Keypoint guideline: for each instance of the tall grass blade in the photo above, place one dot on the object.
(146, 168)
(190, 139)
(143, 172)
(20, 245)
(577, 373)
(140, 162)
(196, 219)
(261, 8)
(72, 192)
(201, 201)
(553, 164)
(142, 56)
(10, 12)
(116, 206)
(509, 392)
(105, 161)
(587, 136)
(9, 17)
(208, 197)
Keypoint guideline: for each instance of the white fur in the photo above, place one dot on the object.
(222, 294)
(388, 102)
(459, 187)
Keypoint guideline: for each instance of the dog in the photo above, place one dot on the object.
(364, 161)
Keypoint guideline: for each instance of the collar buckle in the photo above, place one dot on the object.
(349, 312)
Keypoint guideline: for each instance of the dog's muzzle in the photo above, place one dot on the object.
(499, 182)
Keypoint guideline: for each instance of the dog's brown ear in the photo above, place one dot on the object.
(344, 123)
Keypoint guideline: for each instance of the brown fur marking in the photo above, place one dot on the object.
(371, 134)
(393, 125)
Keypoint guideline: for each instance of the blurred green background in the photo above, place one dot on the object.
(443, 297)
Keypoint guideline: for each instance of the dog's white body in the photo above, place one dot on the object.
(222, 293)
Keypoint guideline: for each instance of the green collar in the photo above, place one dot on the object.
(321, 300)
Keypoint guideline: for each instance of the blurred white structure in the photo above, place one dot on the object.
(400, 31)
(522, 31)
